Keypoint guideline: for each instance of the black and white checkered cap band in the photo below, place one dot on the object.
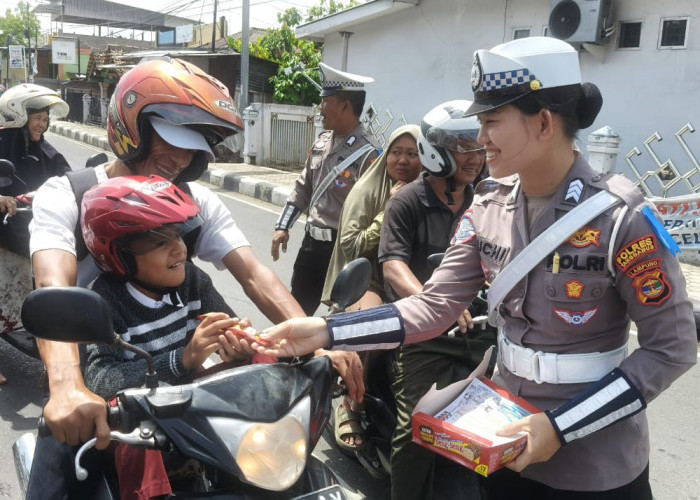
(288, 217)
(376, 328)
(611, 399)
(336, 85)
(505, 79)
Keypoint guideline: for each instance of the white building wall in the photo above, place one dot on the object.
(421, 56)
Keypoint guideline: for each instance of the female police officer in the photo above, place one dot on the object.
(565, 318)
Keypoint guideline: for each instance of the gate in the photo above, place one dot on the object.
(95, 112)
(290, 138)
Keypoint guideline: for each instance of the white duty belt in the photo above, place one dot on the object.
(319, 233)
(553, 368)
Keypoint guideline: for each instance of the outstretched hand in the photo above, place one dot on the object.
(294, 337)
(542, 440)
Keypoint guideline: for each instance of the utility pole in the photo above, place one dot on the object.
(245, 55)
(213, 29)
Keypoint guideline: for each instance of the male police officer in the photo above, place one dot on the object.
(332, 167)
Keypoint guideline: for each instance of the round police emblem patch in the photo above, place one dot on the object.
(465, 230)
(476, 74)
(130, 99)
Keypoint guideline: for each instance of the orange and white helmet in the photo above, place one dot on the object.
(172, 91)
(15, 102)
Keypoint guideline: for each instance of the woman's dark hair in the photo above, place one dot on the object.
(578, 105)
(356, 99)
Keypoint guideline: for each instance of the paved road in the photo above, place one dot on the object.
(674, 416)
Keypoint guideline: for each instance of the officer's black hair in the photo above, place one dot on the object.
(578, 105)
(356, 99)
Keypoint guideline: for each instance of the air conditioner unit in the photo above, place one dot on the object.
(587, 21)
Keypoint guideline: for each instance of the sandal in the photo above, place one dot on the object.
(347, 422)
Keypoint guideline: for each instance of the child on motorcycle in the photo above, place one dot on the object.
(135, 228)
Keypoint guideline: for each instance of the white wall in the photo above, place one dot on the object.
(422, 56)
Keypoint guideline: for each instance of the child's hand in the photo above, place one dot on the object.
(235, 343)
(205, 340)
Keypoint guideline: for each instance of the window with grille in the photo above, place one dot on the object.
(674, 33)
(630, 35)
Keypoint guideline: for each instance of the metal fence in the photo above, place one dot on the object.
(290, 138)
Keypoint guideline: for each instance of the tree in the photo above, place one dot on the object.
(21, 26)
(293, 56)
(324, 9)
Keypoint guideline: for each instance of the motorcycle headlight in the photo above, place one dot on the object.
(271, 455)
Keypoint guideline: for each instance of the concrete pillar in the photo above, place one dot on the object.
(104, 106)
(603, 148)
(87, 98)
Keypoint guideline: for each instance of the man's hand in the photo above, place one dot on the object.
(294, 337)
(465, 321)
(77, 415)
(8, 204)
(280, 237)
(396, 187)
(542, 440)
(349, 367)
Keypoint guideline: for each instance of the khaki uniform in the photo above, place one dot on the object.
(316, 248)
(602, 282)
(321, 159)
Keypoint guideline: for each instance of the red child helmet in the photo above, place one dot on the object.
(132, 215)
(178, 92)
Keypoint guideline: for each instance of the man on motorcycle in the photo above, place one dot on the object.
(164, 117)
(419, 221)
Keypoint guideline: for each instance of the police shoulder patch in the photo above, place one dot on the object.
(652, 288)
(465, 230)
(635, 250)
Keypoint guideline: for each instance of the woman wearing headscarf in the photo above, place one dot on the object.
(358, 236)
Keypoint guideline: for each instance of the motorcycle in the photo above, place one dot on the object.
(378, 419)
(15, 268)
(251, 428)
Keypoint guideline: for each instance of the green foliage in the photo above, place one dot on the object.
(281, 46)
(326, 8)
(21, 25)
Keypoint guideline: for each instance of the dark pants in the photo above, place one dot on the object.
(53, 473)
(508, 485)
(310, 269)
(417, 472)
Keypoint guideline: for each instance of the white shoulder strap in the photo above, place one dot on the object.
(335, 171)
(542, 246)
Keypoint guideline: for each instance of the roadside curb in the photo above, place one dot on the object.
(229, 181)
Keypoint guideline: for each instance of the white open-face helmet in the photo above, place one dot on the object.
(444, 129)
(15, 102)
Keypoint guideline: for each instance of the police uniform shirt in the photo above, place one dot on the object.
(322, 157)
(582, 307)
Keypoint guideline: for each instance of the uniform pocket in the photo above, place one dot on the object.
(565, 287)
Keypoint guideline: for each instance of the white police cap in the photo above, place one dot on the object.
(515, 69)
(334, 80)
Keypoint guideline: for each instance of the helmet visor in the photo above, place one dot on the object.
(147, 241)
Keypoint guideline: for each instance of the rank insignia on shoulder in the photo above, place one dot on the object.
(574, 192)
(351, 140)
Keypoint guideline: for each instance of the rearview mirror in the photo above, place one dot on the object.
(351, 283)
(7, 172)
(96, 159)
(68, 314)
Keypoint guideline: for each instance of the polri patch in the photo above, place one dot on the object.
(574, 318)
(574, 289)
(634, 251)
(584, 237)
(465, 230)
(652, 288)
